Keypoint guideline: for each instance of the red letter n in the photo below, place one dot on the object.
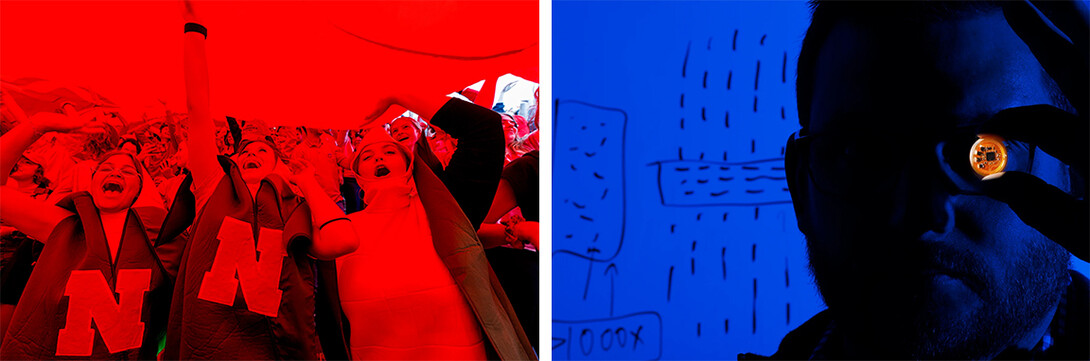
(258, 269)
(90, 297)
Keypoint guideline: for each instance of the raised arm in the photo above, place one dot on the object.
(334, 234)
(35, 218)
(473, 174)
(202, 132)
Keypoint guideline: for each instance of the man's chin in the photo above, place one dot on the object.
(935, 318)
(949, 294)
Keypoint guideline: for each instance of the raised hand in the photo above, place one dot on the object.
(189, 14)
(1056, 33)
(69, 122)
(301, 171)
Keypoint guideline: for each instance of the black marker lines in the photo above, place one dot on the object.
(669, 283)
(757, 75)
(783, 72)
(723, 256)
(685, 63)
(749, 179)
(789, 313)
(786, 275)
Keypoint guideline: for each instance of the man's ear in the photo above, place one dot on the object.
(797, 182)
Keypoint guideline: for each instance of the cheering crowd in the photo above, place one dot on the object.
(188, 236)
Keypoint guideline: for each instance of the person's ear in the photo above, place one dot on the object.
(797, 183)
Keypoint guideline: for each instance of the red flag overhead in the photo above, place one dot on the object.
(286, 62)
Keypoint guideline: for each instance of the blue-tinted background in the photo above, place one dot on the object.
(673, 235)
(670, 210)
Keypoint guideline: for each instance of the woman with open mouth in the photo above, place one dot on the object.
(97, 244)
(252, 239)
(419, 286)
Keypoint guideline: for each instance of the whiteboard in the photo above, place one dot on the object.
(674, 237)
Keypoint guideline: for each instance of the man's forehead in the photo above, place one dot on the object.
(944, 73)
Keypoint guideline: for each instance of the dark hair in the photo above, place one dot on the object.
(131, 141)
(39, 174)
(826, 14)
(108, 155)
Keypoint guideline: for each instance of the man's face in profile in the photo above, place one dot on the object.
(907, 265)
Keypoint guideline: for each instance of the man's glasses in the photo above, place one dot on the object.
(860, 165)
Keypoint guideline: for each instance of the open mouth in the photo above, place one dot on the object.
(403, 138)
(113, 188)
(251, 165)
(381, 171)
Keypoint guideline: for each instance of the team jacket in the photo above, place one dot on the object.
(245, 286)
(78, 304)
(456, 202)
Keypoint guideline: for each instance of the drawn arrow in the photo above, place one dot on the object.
(612, 266)
(590, 252)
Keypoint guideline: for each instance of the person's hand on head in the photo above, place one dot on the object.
(1059, 42)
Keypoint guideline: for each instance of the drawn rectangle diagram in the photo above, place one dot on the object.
(588, 180)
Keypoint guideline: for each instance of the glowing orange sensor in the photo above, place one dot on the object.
(988, 155)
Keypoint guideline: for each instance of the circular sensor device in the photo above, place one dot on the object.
(988, 155)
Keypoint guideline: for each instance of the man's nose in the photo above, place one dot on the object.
(923, 206)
